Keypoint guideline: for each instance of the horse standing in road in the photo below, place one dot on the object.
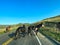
(30, 30)
(20, 30)
(37, 27)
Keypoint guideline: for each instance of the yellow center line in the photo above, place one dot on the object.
(8, 41)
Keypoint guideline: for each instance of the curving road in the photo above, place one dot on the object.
(8, 39)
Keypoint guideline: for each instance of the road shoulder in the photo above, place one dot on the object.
(44, 40)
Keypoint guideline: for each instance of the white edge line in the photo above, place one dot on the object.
(38, 39)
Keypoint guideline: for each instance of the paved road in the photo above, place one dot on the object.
(4, 37)
(27, 40)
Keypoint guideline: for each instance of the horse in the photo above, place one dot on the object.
(30, 30)
(37, 27)
(19, 31)
(8, 28)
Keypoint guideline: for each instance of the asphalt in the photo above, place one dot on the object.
(44, 40)
(27, 40)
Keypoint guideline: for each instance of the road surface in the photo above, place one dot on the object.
(8, 39)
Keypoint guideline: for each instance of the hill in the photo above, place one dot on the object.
(53, 19)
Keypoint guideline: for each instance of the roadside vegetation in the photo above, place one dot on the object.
(51, 32)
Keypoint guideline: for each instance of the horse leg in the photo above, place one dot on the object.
(16, 34)
(36, 32)
(23, 33)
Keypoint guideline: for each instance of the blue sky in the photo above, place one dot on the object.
(27, 11)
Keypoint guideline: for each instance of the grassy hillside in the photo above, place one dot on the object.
(53, 32)
(53, 19)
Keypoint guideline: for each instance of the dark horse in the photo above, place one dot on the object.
(37, 27)
(30, 30)
(20, 30)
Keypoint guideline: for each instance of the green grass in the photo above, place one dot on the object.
(52, 34)
(8, 31)
(1, 32)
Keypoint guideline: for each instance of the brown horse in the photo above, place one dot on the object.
(8, 28)
(20, 30)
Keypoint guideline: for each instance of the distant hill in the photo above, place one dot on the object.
(51, 19)
(14, 25)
